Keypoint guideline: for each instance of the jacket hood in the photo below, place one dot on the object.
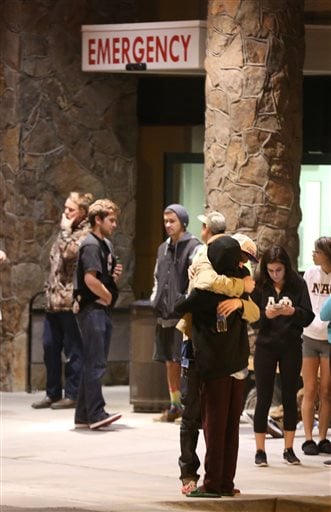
(184, 238)
(225, 255)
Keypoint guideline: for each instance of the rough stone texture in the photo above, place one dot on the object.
(254, 63)
(60, 130)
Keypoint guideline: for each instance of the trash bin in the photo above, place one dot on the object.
(148, 378)
(36, 372)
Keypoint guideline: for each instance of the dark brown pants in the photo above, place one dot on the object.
(221, 405)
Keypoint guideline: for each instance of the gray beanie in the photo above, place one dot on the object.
(180, 211)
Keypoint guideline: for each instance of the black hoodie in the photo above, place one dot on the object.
(217, 354)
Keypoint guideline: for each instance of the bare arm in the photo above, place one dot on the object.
(98, 288)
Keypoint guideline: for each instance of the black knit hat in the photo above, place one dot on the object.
(225, 254)
(180, 211)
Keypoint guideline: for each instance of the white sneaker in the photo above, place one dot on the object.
(110, 418)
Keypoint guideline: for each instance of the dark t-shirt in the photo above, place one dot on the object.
(95, 255)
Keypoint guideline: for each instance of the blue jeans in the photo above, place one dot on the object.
(61, 333)
(95, 326)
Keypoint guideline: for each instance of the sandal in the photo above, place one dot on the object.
(200, 492)
(188, 486)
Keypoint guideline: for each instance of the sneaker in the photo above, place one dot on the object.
(310, 447)
(324, 446)
(104, 422)
(261, 458)
(290, 457)
(44, 403)
(189, 485)
(327, 463)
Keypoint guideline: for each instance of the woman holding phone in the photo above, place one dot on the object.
(285, 307)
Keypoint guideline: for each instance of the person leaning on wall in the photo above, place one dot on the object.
(61, 334)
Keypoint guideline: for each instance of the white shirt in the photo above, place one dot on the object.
(319, 287)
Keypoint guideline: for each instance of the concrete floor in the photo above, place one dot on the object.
(132, 465)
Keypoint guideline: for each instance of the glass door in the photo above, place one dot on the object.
(184, 184)
(315, 186)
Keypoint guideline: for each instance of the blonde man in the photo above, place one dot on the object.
(61, 334)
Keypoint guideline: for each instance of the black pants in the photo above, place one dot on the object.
(289, 359)
(188, 461)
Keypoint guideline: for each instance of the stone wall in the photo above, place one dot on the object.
(253, 139)
(61, 130)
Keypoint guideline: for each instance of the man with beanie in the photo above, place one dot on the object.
(170, 282)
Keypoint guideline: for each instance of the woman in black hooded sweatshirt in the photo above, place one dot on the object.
(285, 306)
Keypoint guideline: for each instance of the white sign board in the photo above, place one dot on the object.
(165, 46)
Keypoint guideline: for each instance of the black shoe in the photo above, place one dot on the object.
(327, 463)
(324, 446)
(310, 447)
(261, 458)
(290, 457)
(65, 403)
(44, 403)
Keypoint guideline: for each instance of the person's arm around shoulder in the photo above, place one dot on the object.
(205, 278)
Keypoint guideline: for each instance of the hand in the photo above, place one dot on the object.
(249, 284)
(3, 256)
(66, 224)
(190, 272)
(288, 310)
(117, 271)
(272, 312)
(228, 306)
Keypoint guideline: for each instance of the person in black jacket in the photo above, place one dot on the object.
(283, 298)
(221, 358)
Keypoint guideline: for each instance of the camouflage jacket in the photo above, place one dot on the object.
(63, 256)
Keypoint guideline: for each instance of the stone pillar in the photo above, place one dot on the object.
(253, 140)
(61, 130)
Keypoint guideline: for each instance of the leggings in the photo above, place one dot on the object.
(289, 359)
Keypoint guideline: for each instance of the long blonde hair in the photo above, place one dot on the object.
(82, 200)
